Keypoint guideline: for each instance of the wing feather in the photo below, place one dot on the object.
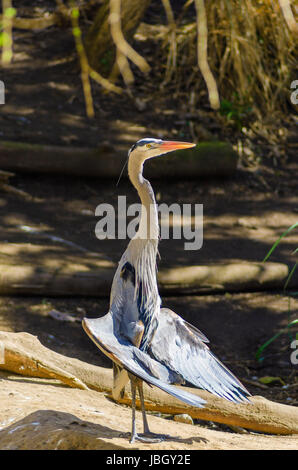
(121, 351)
(180, 347)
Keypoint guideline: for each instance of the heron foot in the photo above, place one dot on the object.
(149, 437)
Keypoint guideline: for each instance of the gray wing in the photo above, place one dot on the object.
(123, 353)
(180, 347)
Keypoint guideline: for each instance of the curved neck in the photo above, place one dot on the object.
(148, 227)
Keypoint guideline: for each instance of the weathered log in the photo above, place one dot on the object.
(106, 161)
(62, 274)
(23, 354)
(236, 277)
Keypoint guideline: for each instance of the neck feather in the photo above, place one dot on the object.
(148, 227)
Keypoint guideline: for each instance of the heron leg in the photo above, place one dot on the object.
(141, 394)
(147, 437)
(147, 433)
(134, 435)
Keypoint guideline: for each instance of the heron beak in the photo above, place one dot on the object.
(171, 145)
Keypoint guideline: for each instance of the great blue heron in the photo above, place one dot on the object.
(146, 342)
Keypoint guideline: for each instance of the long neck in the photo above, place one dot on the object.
(148, 227)
(142, 251)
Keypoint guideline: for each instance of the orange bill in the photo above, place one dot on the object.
(171, 145)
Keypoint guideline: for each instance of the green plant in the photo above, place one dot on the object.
(259, 352)
(235, 111)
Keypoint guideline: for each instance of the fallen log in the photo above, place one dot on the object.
(23, 354)
(61, 274)
(233, 277)
(106, 161)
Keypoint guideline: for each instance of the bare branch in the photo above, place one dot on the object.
(285, 6)
(109, 86)
(172, 56)
(83, 59)
(202, 44)
(124, 50)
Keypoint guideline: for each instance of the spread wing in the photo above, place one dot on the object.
(181, 348)
(125, 354)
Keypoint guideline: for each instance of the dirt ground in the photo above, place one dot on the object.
(74, 419)
(243, 216)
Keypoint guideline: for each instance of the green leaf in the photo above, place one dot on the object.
(10, 12)
(76, 31)
(264, 346)
(268, 380)
(280, 238)
(75, 13)
(290, 276)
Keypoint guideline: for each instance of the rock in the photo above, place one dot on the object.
(183, 418)
(52, 430)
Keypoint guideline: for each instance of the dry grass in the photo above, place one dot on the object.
(238, 53)
(251, 52)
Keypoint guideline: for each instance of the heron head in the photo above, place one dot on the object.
(149, 148)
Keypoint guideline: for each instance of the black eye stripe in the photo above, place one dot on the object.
(142, 143)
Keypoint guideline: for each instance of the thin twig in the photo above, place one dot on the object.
(83, 59)
(34, 23)
(254, 383)
(172, 55)
(109, 86)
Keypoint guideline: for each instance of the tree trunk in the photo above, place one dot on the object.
(100, 47)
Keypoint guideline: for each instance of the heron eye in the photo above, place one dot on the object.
(149, 146)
